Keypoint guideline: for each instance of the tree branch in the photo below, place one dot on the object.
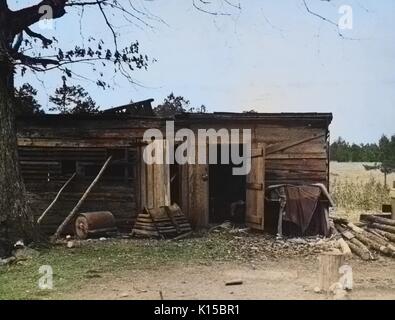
(28, 16)
(46, 42)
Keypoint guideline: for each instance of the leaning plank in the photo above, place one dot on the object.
(383, 227)
(380, 220)
(354, 228)
(56, 199)
(81, 201)
(345, 233)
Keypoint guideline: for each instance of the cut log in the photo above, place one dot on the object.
(355, 245)
(381, 240)
(81, 201)
(383, 227)
(376, 219)
(329, 265)
(373, 244)
(376, 238)
(373, 231)
(338, 220)
(344, 247)
(359, 251)
(387, 235)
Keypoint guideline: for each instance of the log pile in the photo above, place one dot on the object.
(164, 222)
(375, 237)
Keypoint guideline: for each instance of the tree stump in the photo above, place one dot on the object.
(329, 264)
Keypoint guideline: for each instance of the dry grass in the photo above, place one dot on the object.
(355, 189)
(356, 172)
(359, 195)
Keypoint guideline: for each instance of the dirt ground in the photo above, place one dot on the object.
(293, 278)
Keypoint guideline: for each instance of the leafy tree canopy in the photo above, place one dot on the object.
(173, 105)
(72, 100)
(383, 151)
(26, 102)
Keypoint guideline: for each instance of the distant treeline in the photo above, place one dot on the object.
(382, 151)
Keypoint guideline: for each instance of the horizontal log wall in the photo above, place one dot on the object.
(43, 176)
(45, 144)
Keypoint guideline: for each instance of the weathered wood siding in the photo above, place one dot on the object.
(50, 148)
(304, 163)
(46, 144)
(307, 162)
(43, 176)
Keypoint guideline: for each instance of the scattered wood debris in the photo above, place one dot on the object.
(234, 283)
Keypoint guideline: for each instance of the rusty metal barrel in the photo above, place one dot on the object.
(94, 224)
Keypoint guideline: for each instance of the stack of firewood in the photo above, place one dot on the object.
(373, 236)
(164, 222)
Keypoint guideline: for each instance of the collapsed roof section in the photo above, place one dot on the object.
(143, 109)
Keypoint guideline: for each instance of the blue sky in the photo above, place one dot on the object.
(271, 56)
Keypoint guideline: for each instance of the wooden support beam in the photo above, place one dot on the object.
(56, 199)
(81, 201)
(281, 146)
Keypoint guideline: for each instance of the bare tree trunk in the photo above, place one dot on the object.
(16, 221)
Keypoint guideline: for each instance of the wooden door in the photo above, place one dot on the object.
(255, 188)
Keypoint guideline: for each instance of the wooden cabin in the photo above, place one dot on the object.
(288, 148)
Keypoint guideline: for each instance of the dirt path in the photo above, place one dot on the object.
(293, 278)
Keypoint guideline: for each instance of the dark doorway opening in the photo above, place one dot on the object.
(175, 184)
(227, 192)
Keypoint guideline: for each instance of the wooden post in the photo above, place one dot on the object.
(56, 199)
(84, 196)
(329, 264)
